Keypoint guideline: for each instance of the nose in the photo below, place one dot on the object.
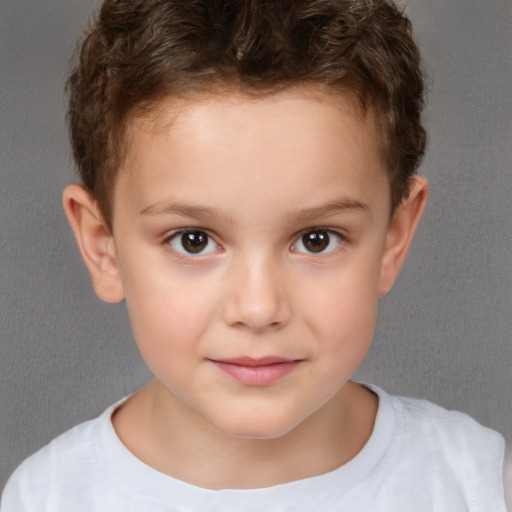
(255, 296)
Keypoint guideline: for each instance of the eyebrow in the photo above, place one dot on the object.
(303, 214)
(331, 208)
(184, 210)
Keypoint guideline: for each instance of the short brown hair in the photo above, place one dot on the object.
(137, 52)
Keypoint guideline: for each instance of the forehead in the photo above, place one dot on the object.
(304, 100)
(293, 137)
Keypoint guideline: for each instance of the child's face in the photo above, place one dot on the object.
(249, 235)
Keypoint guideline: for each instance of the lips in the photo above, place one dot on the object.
(257, 372)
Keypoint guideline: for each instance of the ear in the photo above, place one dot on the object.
(95, 242)
(401, 231)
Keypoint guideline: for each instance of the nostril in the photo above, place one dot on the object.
(257, 325)
(255, 300)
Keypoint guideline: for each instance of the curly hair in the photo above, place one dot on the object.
(138, 52)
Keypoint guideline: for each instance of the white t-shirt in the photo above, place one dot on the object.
(419, 458)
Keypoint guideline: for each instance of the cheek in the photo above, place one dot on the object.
(337, 295)
(168, 314)
(342, 307)
(168, 329)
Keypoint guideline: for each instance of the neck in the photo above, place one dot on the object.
(167, 435)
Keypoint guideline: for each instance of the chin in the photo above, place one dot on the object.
(257, 426)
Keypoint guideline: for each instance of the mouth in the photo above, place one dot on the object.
(257, 372)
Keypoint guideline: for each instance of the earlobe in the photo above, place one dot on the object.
(95, 242)
(401, 231)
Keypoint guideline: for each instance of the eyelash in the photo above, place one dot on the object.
(298, 240)
(176, 235)
(331, 233)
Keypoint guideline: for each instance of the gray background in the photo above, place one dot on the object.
(444, 332)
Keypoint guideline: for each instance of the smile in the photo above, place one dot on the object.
(257, 372)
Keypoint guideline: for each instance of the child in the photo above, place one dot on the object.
(249, 189)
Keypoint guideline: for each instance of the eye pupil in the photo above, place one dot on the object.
(316, 241)
(194, 241)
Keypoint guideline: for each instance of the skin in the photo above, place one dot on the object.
(255, 178)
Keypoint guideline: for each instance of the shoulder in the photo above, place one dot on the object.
(37, 482)
(452, 428)
(507, 473)
(452, 448)
(446, 455)
(454, 434)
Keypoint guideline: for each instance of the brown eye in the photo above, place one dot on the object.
(318, 241)
(193, 243)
